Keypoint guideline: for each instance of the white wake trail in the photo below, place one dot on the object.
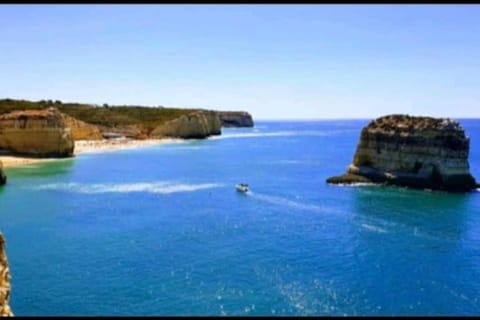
(161, 187)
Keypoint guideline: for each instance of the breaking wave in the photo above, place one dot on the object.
(358, 184)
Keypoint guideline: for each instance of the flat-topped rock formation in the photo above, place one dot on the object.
(420, 152)
(235, 119)
(3, 177)
(41, 133)
(5, 310)
(195, 125)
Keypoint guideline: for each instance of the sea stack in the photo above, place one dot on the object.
(419, 152)
(38, 133)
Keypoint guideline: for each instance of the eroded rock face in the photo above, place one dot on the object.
(196, 125)
(81, 130)
(420, 152)
(4, 281)
(3, 177)
(41, 133)
(235, 119)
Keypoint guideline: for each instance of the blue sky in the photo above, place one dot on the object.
(275, 61)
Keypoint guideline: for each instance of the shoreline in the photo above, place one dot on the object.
(85, 146)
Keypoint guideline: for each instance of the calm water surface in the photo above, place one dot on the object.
(161, 231)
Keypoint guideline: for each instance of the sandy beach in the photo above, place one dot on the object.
(84, 146)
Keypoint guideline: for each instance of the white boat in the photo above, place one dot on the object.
(242, 187)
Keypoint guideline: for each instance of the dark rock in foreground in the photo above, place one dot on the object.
(3, 177)
(419, 152)
(5, 286)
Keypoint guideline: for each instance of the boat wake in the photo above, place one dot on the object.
(163, 187)
(284, 202)
(373, 228)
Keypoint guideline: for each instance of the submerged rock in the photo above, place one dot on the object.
(349, 178)
(5, 310)
(40, 133)
(420, 152)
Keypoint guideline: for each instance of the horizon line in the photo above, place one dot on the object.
(243, 110)
(353, 118)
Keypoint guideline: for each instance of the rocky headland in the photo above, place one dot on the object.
(419, 152)
(195, 125)
(5, 310)
(46, 129)
(41, 133)
(235, 119)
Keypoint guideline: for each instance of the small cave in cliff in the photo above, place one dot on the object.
(417, 167)
(436, 176)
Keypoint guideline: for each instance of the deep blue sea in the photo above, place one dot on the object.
(162, 231)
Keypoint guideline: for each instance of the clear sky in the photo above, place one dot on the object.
(275, 61)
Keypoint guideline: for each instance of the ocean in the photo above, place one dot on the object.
(161, 230)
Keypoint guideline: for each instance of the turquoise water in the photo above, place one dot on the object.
(161, 231)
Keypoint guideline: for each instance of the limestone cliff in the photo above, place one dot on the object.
(3, 177)
(235, 119)
(421, 152)
(81, 130)
(4, 281)
(41, 133)
(195, 125)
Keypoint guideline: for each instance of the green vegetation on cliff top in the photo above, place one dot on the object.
(108, 116)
